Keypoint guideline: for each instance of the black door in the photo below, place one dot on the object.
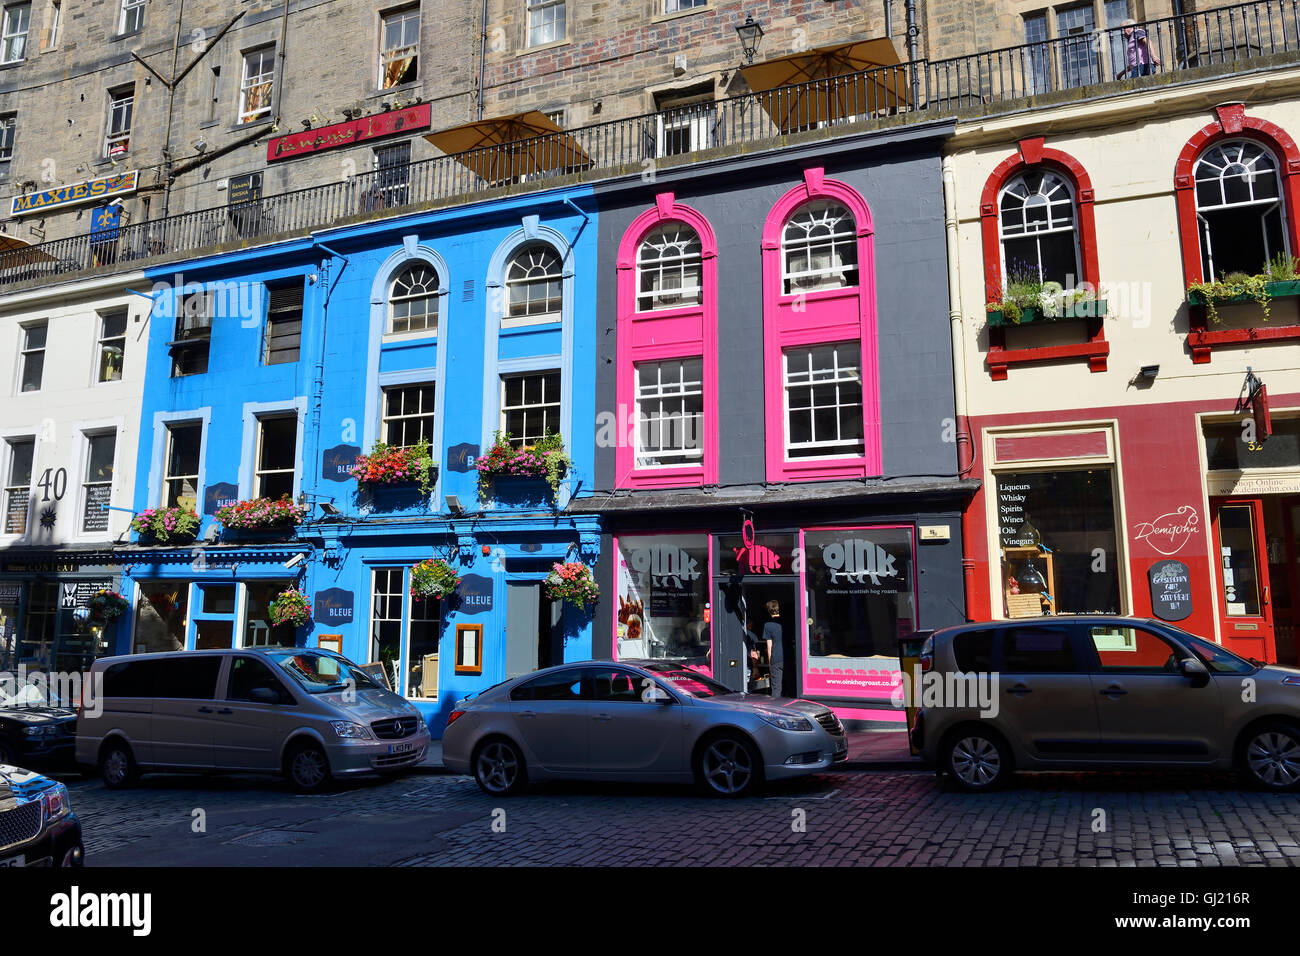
(744, 607)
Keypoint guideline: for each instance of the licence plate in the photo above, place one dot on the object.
(14, 861)
(405, 748)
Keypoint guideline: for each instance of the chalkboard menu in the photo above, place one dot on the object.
(16, 512)
(1171, 590)
(95, 517)
(1013, 493)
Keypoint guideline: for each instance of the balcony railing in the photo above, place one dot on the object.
(1224, 40)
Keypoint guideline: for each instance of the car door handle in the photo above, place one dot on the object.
(1113, 691)
(527, 713)
(205, 710)
(1020, 690)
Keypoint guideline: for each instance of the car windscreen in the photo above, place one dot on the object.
(321, 673)
(1219, 660)
(692, 682)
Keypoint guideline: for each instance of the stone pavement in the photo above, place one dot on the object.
(840, 818)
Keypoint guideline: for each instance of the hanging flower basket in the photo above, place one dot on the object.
(572, 581)
(259, 514)
(433, 578)
(166, 524)
(289, 607)
(386, 465)
(107, 606)
(546, 458)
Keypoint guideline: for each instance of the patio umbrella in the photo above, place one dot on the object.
(16, 253)
(804, 90)
(507, 148)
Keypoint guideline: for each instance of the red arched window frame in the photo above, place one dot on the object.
(1231, 122)
(1031, 153)
(663, 335)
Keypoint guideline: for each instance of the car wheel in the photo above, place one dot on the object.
(117, 766)
(976, 760)
(307, 768)
(728, 765)
(1271, 757)
(499, 768)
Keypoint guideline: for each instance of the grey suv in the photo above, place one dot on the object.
(1094, 692)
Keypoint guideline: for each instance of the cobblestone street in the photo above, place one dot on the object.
(848, 818)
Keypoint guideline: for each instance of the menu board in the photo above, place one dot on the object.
(96, 517)
(1171, 590)
(16, 512)
(1013, 493)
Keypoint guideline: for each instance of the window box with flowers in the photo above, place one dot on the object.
(107, 606)
(510, 470)
(433, 578)
(166, 525)
(289, 607)
(262, 514)
(390, 465)
(1281, 280)
(1033, 302)
(573, 583)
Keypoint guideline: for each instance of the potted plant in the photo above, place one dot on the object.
(107, 606)
(433, 578)
(259, 514)
(389, 465)
(165, 524)
(545, 458)
(573, 583)
(1028, 299)
(1280, 278)
(289, 607)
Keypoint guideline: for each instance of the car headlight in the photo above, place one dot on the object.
(347, 729)
(56, 803)
(37, 731)
(783, 721)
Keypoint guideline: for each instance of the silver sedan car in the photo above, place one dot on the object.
(644, 721)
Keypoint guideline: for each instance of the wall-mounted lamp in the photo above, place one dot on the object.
(751, 35)
(1149, 372)
(454, 505)
(331, 511)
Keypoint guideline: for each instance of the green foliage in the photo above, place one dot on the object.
(1234, 285)
(1283, 268)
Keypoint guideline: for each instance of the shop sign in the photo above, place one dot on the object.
(1171, 590)
(333, 606)
(92, 189)
(754, 558)
(40, 566)
(9, 595)
(858, 560)
(1235, 484)
(1014, 531)
(460, 458)
(221, 494)
(349, 133)
(104, 223)
(337, 462)
(1168, 533)
(241, 189)
(667, 565)
(74, 594)
(475, 593)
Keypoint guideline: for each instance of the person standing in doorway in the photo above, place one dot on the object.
(775, 647)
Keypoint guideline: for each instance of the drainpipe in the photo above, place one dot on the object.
(965, 451)
(171, 104)
(482, 58)
(279, 55)
(913, 47)
(318, 372)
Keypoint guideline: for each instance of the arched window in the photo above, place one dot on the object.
(1239, 208)
(819, 248)
(669, 268)
(1038, 229)
(413, 300)
(534, 283)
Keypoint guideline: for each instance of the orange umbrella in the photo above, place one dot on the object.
(507, 148)
(15, 252)
(838, 85)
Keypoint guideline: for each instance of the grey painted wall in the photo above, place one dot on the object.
(901, 183)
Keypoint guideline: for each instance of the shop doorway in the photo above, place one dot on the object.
(1245, 600)
(1282, 547)
(534, 634)
(744, 608)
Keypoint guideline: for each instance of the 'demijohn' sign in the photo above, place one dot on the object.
(115, 185)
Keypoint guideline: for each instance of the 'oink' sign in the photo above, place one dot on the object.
(475, 593)
(333, 606)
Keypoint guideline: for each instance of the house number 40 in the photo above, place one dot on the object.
(59, 479)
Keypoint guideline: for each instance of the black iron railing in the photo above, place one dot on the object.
(1224, 39)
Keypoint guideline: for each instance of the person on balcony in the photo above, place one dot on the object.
(1139, 58)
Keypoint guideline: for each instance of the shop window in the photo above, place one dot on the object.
(132, 16)
(530, 406)
(670, 413)
(1230, 447)
(820, 248)
(112, 345)
(1036, 216)
(256, 83)
(97, 482)
(189, 349)
(669, 268)
(393, 174)
(283, 322)
(258, 629)
(399, 47)
(546, 21)
(161, 614)
(534, 287)
(1056, 534)
(823, 400)
(277, 452)
(860, 585)
(663, 598)
(8, 126)
(1239, 209)
(413, 300)
(13, 32)
(31, 359)
(18, 484)
(117, 137)
(36, 642)
(423, 631)
(387, 613)
(408, 414)
(181, 478)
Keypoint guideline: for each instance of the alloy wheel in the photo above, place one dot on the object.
(117, 767)
(497, 767)
(308, 768)
(1274, 759)
(976, 761)
(728, 766)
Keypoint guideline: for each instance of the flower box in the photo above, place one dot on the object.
(166, 525)
(506, 472)
(386, 465)
(1286, 289)
(261, 515)
(1089, 309)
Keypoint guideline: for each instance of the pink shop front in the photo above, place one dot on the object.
(844, 593)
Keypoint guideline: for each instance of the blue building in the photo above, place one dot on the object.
(272, 369)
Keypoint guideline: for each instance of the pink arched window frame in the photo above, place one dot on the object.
(662, 335)
(816, 318)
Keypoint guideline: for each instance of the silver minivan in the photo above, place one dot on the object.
(307, 713)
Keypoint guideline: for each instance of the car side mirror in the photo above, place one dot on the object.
(264, 695)
(1192, 668)
(657, 695)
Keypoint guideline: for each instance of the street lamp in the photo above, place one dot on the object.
(751, 34)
